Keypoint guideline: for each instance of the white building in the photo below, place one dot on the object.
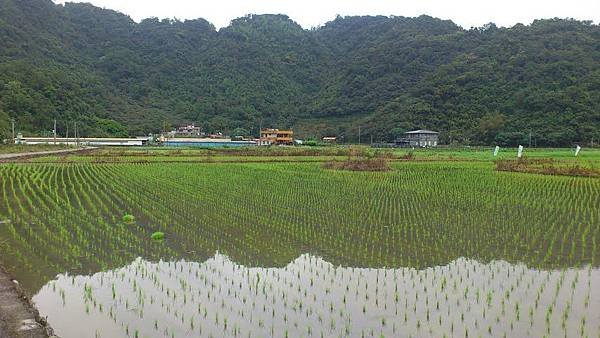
(84, 141)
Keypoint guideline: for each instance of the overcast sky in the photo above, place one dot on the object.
(311, 13)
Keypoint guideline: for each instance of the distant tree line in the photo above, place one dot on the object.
(386, 75)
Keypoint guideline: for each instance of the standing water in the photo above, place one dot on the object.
(312, 298)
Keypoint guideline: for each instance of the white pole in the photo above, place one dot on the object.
(496, 151)
(520, 152)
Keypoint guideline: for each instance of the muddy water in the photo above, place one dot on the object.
(312, 298)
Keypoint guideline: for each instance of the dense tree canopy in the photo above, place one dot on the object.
(5, 126)
(487, 85)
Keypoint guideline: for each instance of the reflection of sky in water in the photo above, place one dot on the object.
(310, 297)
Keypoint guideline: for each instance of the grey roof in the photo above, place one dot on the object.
(421, 131)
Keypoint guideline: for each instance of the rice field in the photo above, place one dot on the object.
(435, 248)
(312, 297)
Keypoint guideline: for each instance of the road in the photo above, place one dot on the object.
(41, 153)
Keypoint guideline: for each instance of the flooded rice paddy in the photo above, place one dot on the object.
(313, 298)
(292, 250)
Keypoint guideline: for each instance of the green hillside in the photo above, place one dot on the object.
(113, 76)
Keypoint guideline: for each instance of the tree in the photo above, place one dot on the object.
(110, 128)
(16, 99)
(383, 73)
(489, 126)
(240, 132)
(511, 138)
(5, 126)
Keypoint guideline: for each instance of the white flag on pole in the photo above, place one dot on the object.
(496, 151)
(577, 150)
(520, 152)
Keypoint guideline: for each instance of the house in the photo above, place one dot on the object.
(276, 137)
(189, 130)
(217, 135)
(418, 138)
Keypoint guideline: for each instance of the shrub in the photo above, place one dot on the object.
(545, 167)
(158, 236)
(361, 160)
(129, 219)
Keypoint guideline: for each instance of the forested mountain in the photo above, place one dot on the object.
(77, 62)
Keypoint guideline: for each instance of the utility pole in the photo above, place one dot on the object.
(359, 135)
(54, 131)
(530, 139)
(13, 129)
(371, 139)
(76, 135)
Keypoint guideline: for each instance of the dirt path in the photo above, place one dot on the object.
(8, 157)
(18, 317)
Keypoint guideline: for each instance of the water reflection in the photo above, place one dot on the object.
(312, 298)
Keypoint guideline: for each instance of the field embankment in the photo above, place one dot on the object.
(18, 317)
(564, 157)
(548, 166)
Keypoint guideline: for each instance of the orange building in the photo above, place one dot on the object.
(276, 137)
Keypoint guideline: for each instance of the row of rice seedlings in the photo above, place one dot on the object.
(61, 231)
(380, 242)
(455, 226)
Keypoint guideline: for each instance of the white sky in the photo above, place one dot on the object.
(311, 13)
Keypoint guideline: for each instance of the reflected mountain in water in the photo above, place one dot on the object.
(310, 297)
